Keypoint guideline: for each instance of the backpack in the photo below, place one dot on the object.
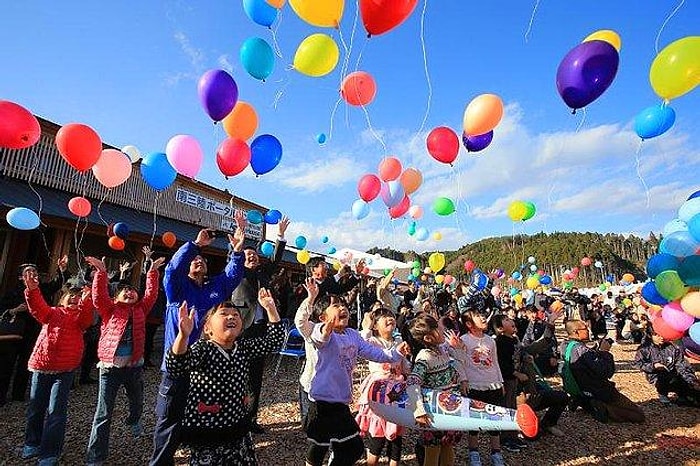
(567, 375)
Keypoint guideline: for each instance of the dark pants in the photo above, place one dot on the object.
(22, 374)
(8, 358)
(554, 401)
(90, 339)
(673, 382)
(151, 330)
(170, 410)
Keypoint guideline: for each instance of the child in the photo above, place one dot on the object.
(120, 351)
(485, 380)
(665, 366)
(433, 368)
(217, 421)
(56, 356)
(329, 422)
(303, 323)
(378, 329)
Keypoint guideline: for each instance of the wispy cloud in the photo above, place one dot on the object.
(318, 175)
(225, 63)
(195, 57)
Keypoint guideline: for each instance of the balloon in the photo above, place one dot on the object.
(669, 285)
(439, 279)
(368, 187)
(325, 14)
(415, 211)
(157, 171)
(676, 69)
(232, 156)
(443, 206)
(380, 16)
(449, 279)
(260, 12)
(265, 153)
(218, 91)
(273, 217)
(586, 72)
(267, 248)
(533, 268)
(303, 256)
(316, 56)
(242, 122)
(257, 58)
(360, 209)
(532, 282)
(689, 270)
(483, 114)
(516, 276)
(358, 88)
(121, 230)
(606, 35)
(401, 208)
(437, 236)
(694, 227)
(116, 243)
(586, 261)
(662, 328)
(321, 138)
(468, 265)
(411, 179)
(254, 217)
(392, 193)
(324, 239)
(22, 218)
(79, 206)
(679, 244)
(276, 3)
(112, 168)
(337, 265)
(436, 261)
(598, 265)
(412, 228)
(389, 169)
(185, 155)
(19, 128)
(79, 145)
(531, 260)
(696, 194)
(674, 316)
(675, 225)
(628, 277)
(422, 234)
(332, 250)
(546, 280)
(300, 242)
(689, 209)
(168, 238)
(415, 271)
(478, 142)
(443, 144)
(691, 304)
(694, 332)
(530, 210)
(133, 153)
(517, 211)
(654, 121)
(660, 262)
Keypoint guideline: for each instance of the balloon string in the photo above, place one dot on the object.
(532, 20)
(458, 182)
(371, 129)
(99, 206)
(335, 109)
(155, 217)
(583, 119)
(426, 71)
(280, 92)
(352, 35)
(359, 57)
(668, 18)
(639, 172)
(273, 31)
(29, 182)
(549, 196)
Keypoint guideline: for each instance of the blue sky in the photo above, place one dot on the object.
(130, 69)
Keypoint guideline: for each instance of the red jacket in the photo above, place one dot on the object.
(115, 317)
(59, 347)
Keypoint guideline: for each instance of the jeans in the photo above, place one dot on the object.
(111, 379)
(170, 409)
(47, 412)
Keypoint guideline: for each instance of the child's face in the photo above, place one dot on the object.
(657, 339)
(224, 325)
(479, 322)
(70, 298)
(508, 327)
(127, 295)
(385, 325)
(341, 312)
(437, 336)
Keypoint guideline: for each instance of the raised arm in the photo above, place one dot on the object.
(36, 305)
(100, 290)
(150, 295)
(302, 317)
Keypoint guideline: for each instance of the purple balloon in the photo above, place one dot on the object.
(218, 93)
(694, 195)
(586, 72)
(477, 143)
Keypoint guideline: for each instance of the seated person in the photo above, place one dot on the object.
(539, 341)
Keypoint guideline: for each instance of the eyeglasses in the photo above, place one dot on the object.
(582, 329)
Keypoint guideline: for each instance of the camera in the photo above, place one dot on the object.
(217, 234)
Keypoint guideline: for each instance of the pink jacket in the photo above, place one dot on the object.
(115, 317)
(59, 347)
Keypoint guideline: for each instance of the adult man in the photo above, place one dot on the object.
(586, 373)
(329, 285)
(185, 279)
(538, 340)
(245, 298)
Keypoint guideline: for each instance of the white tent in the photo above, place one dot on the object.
(375, 262)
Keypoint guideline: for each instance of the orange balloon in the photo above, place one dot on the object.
(168, 239)
(411, 179)
(116, 243)
(242, 122)
(276, 3)
(482, 114)
(389, 169)
(358, 88)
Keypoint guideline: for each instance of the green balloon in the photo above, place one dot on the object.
(443, 206)
(416, 265)
(669, 285)
(416, 272)
(387, 272)
(530, 210)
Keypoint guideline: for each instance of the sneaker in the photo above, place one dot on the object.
(29, 452)
(554, 430)
(664, 399)
(136, 429)
(599, 411)
(510, 445)
(51, 461)
(497, 459)
(474, 458)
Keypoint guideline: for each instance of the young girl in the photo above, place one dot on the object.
(56, 356)
(120, 351)
(378, 329)
(216, 425)
(304, 323)
(329, 423)
(434, 368)
(485, 380)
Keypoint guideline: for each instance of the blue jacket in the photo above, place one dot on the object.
(180, 287)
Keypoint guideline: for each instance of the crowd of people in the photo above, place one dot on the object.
(219, 328)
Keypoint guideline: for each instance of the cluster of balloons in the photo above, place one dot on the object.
(117, 234)
(481, 116)
(519, 211)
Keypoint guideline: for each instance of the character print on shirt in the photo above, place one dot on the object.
(481, 355)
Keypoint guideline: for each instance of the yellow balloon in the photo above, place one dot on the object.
(303, 256)
(606, 35)
(317, 55)
(276, 3)
(518, 298)
(321, 13)
(337, 265)
(517, 211)
(532, 282)
(437, 236)
(439, 279)
(676, 69)
(436, 261)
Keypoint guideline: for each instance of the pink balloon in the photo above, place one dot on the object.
(80, 206)
(415, 211)
(676, 318)
(112, 168)
(401, 208)
(496, 291)
(185, 155)
(448, 279)
(368, 187)
(390, 169)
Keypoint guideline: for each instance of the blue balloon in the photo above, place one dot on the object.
(546, 280)
(273, 217)
(412, 229)
(260, 12)
(516, 275)
(679, 244)
(689, 270)
(661, 262)
(22, 218)
(360, 209)
(694, 332)
(654, 121)
(651, 295)
(675, 225)
(121, 229)
(410, 277)
(300, 242)
(331, 250)
(694, 227)
(324, 239)
(514, 291)
(265, 153)
(321, 138)
(257, 58)
(480, 280)
(422, 234)
(157, 171)
(694, 195)
(267, 248)
(254, 217)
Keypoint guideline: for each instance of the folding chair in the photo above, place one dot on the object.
(293, 346)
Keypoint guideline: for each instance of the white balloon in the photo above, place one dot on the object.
(133, 153)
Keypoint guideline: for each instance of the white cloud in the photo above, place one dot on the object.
(195, 55)
(318, 175)
(225, 63)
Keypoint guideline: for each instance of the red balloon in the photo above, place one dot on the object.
(401, 208)
(575, 270)
(79, 145)
(390, 169)
(468, 265)
(368, 187)
(232, 156)
(358, 88)
(79, 206)
(443, 144)
(586, 261)
(19, 129)
(380, 16)
(662, 328)
(116, 243)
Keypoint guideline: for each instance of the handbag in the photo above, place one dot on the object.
(11, 324)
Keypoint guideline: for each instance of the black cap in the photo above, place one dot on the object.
(23, 267)
(125, 284)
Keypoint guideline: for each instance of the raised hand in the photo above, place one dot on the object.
(126, 266)
(311, 288)
(240, 219)
(185, 321)
(266, 300)
(147, 252)
(404, 348)
(31, 279)
(158, 263)
(360, 266)
(98, 264)
(204, 238)
(367, 321)
(237, 239)
(282, 226)
(453, 339)
(62, 263)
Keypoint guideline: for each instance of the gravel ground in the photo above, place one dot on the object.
(671, 435)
